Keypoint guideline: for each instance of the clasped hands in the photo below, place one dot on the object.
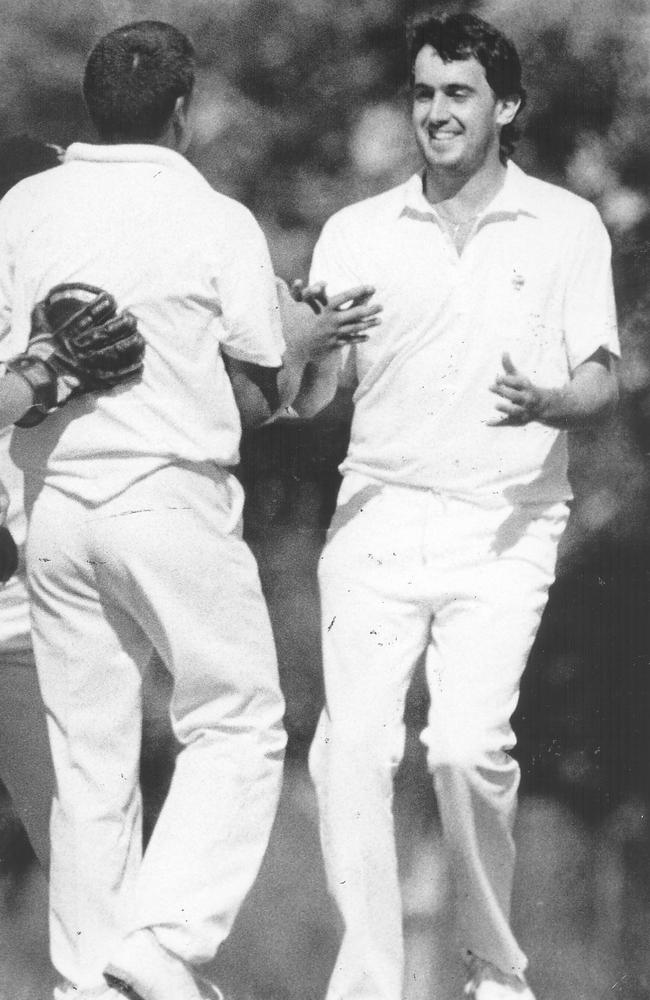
(332, 322)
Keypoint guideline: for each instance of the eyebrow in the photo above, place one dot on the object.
(422, 85)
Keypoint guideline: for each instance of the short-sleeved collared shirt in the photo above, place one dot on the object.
(194, 268)
(533, 280)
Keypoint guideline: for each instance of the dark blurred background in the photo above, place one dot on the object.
(302, 107)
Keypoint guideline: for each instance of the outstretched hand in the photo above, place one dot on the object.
(519, 401)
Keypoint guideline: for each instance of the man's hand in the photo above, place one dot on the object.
(331, 323)
(520, 401)
(587, 398)
(313, 295)
(314, 328)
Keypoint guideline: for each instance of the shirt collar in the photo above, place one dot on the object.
(513, 198)
(127, 153)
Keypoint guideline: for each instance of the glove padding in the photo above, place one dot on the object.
(78, 344)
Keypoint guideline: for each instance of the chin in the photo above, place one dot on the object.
(450, 161)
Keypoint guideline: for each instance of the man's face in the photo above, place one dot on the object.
(457, 117)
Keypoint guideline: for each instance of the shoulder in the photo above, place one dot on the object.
(31, 189)
(227, 208)
(558, 205)
(26, 203)
(374, 213)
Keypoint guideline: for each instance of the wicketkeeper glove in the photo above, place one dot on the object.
(78, 343)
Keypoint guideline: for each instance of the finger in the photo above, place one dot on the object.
(508, 366)
(509, 408)
(358, 327)
(316, 291)
(350, 338)
(315, 296)
(510, 393)
(355, 296)
(356, 314)
(95, 313)
(512, 416)
(103, 305)
(40, 322)
(296, 289)
(117, 328)
(503, 422)
(512, 381)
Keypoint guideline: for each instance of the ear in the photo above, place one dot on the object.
(507, 108)
(180, 122)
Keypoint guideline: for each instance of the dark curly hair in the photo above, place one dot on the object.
(466, 36)
(133, 78)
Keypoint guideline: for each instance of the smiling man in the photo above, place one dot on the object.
(497, 335)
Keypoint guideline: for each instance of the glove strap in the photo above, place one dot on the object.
(42, 380)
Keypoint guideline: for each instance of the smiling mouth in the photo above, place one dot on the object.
(442, 136)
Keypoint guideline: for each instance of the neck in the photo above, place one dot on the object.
(466, 195)
(169, 138)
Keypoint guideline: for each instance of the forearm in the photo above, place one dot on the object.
(255, 390)
(317, 329)
(308, 387)
(299, 388)
(16, 398)
(587, 399)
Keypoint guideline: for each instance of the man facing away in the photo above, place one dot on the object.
(497, 335)
(134, 540)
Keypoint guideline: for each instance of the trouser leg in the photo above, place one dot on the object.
(373, 635)
(199, 600)
(482, 633)
(90, 680)
(168, 569)
(210, 838)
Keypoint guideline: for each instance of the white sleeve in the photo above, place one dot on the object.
(249, 303)
(333, 259)
(333, 263)
(589, 304)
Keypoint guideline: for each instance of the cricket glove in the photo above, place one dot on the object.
(78, 344)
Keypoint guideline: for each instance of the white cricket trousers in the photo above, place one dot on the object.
(161, 567)
(407, 573)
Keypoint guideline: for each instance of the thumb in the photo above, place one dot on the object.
(508, 364)
(39, 321)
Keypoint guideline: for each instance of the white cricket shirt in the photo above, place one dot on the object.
(534, 279)
(191, 264)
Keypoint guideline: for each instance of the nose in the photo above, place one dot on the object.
(438, 110)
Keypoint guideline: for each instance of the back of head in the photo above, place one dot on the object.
(466, 36)
(133, 79)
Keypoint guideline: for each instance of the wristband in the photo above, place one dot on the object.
(42, 380)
